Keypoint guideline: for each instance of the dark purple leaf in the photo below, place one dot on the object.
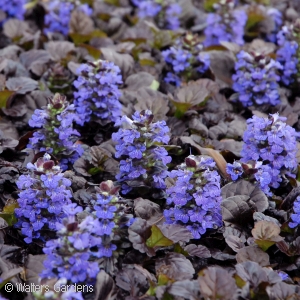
(21, 85)
(176, 233)
(236, 209)
(148, 210)
(253, 253)
(18, 110)
(283, 291)
(139, 232)
(132, 280)
(219, 255)
(176, 266)
(252, 272)
(197, 250)
(105, 287)
(187, 289)
(217, 283)
(243, 187)
(35, 61)
(234, 242)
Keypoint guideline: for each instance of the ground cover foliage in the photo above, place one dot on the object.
(150, 149)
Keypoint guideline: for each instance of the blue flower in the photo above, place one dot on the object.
(166, 11)
(235, 170)
(184, 56)
(256, 79)
(59, 15)
(272, 144)
(42, 195)
(225, 24)
(287, 54)
(56, 135)
(194, 199)
(139, 147)
(70, 255)
(98, 94)
(13, 8)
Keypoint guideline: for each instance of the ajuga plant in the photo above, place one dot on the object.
(42, 196)
(288, 54)
(185, 60)
(143, 159)
(270, 148)
(256, 79)
(97, 98)
(74, 254)
(165, 12)
(59, 15)
(56, 134)
(194, 199)
(13, 8)
(114, 216)
(225, 24)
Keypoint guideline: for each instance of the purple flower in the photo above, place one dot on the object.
(167, 12)
(235, 170)
(272, 143)
(183, 57)
(173, 11)
(59, 15)
(287, 54)
(256, 79)
(70, 255)
(56, 135)
(42, 195)
(225, 24)
(13, 8)
(194, 199)
(139, 146)
(98, 94)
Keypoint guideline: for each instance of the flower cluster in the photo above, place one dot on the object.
(272, 144)
(59, 14)
(13, 8)
(98, 94)
(70, 255)
(287, 53)
(56, 135)
(43, 193)
(225, 24)
(112, 214)
(184, 59)
(73, 255)
(166, 12)
(138, 144)
(256, 80)
(195, 195)
(296, 216)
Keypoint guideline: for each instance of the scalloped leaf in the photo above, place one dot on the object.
(266, 234)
